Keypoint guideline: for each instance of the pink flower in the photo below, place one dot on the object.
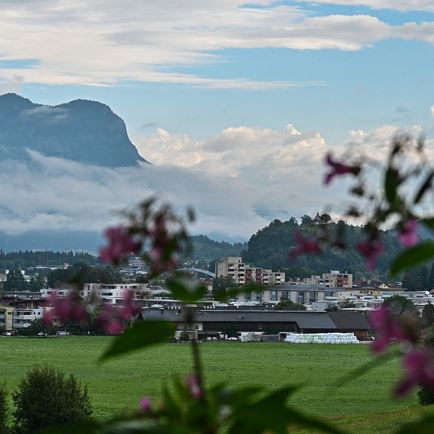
(67, 308)
(49, 317)
(304, 245)
(419, 370)
(192, 382)
(338, 168)
(408, 235)
(387, 329)
(114, 327)
(109, 321)
(121, 244)
(145, 404)
(371, 249)
(129, 309)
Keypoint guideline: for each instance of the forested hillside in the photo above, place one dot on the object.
(205, 249)
(270, 246)
(24, 259)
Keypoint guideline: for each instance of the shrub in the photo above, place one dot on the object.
(425, 395)
(47, 397)
(3, 408)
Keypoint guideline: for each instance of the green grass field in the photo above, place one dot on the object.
(363, 405)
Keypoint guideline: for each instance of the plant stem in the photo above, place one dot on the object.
(197, 360)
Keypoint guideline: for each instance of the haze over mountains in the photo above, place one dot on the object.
(67, 170)
(83, 131)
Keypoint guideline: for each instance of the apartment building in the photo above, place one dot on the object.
(334, 279)
(234, 267)
(22, 317)
(112, 293)
(6, 321)
(242, 273)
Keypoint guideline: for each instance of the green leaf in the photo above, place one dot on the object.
(84, 427)
(424, 188)
(134, 427)
(303, 420)
(271, 414)
(142, 334)
(425, 425)
(186, 290)
(391, 184)
(429, 223)
(233, 292)
(414, 256)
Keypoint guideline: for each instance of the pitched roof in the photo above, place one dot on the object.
(347, 320)
(304, 320)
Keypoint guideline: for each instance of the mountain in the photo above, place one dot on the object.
(270, 247)
(206, 249)
(84, 131)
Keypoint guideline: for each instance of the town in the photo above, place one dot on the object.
(320, 304)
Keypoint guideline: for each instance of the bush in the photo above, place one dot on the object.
(3, 408)
(425, 395)
(47, 397)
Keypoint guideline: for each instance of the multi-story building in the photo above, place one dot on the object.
(6, 321)
(334, 279)
(112, 293)
(22, 317)
(242, 273)
(233, 267)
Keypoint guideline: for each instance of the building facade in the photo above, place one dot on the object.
(242, 273)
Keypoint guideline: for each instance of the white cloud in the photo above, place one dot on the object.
(432, 111)
(401, 5)
(106, 41)
(237, 181)
(12, 84)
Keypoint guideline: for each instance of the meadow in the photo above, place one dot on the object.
(363, 405)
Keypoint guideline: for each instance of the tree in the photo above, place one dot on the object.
(416, 279)
(15, 281)
(36, 283)
(428, 315)
(426, 394)
(430, 283)
(400, 305)
(47, 397)
(3, 409)
(38, 326)
(325, 218)
(289, 305)
(306, 220)
(81, 273)
(220, 284)
(346, 304)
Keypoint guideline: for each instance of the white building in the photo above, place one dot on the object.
(23, 317)
(112, 293)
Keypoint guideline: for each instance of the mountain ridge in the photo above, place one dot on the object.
(80, 130)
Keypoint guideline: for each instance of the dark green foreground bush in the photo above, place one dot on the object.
(47, 397)
(3, 408)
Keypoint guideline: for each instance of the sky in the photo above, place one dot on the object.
(234, 103)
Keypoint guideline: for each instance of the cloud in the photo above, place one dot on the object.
(12, 84)
(432, 111)
(237, 180)
(401, 5)
(77, 42)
